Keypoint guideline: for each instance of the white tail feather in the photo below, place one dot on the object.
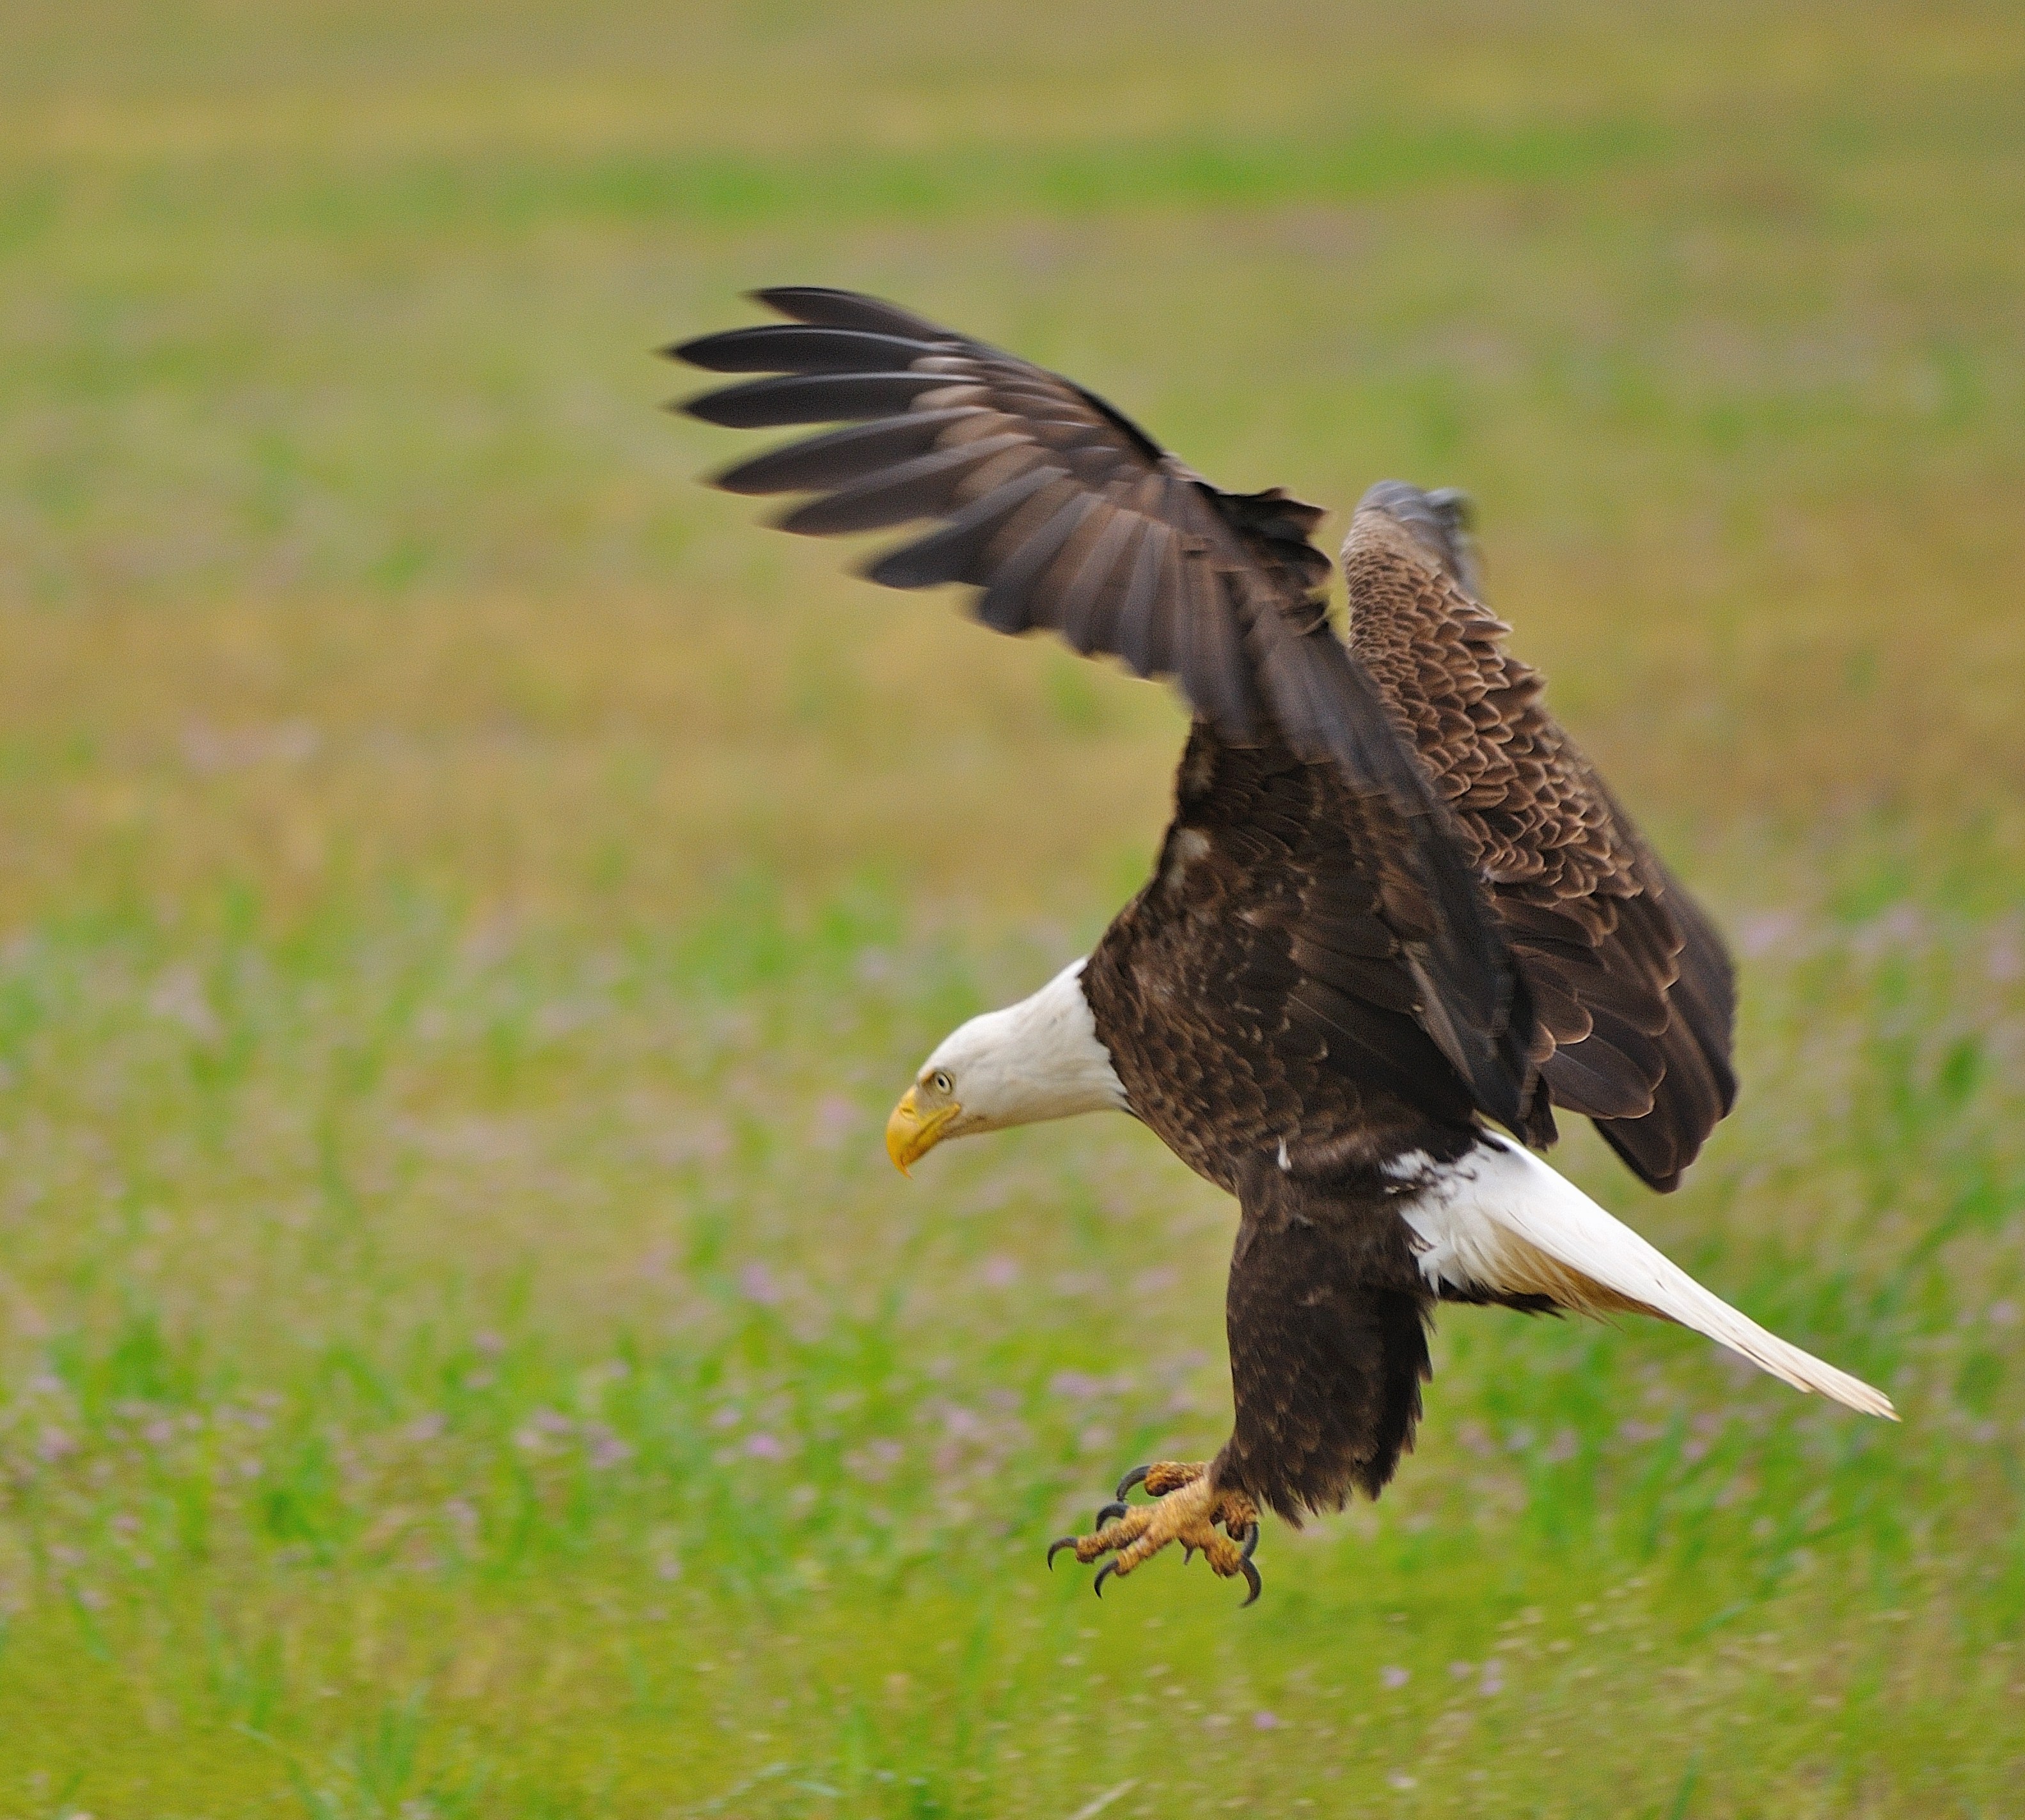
(1499, 1218)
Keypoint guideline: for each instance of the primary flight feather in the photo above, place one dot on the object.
(1396, 902)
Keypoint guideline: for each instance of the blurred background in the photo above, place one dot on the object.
(469, 897)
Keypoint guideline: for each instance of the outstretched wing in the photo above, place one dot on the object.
(1068, 516)
(1631, 987)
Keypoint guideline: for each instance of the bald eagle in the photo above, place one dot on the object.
(1398, 923)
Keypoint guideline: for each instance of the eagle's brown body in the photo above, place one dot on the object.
(1253, 1001)
(1394, 901)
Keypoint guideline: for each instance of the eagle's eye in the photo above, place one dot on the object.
(941, 1082)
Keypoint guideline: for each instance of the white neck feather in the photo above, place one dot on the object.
(1038, 1059)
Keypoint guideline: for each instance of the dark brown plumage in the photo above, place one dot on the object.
(1395, 900)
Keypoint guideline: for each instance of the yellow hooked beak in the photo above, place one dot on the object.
(911, 1134)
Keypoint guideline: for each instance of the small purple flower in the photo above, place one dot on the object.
(764, 1447)
(1493, 1680)
(756, 1284)
(1395, 1677)
(1262, 1720)
(1000, 1272)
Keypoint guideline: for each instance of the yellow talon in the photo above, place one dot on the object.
(1187, 1509)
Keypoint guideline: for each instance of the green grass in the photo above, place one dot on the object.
(470, 897)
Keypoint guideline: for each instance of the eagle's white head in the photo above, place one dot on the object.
(1038, 1059)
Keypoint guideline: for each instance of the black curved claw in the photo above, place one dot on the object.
(1055, 1548)
(1252, 1579)
(1136, 1476)
(1251, 1544)
(1188, 1553)
(1110, 1513)
(1103, 1574)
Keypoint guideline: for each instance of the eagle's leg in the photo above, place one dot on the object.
(1187, 1508)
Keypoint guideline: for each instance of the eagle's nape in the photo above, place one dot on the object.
(1188, 1506)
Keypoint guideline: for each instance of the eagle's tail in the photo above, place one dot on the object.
(1499, 1219)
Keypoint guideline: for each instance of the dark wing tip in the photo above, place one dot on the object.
(785, 299)
(817, 398)
(814, 306)
(696, 351)
(822, 306)
(795, 347)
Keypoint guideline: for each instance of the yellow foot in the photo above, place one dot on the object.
(1187, 1509)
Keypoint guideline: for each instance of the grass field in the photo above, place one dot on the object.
(469, 898)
